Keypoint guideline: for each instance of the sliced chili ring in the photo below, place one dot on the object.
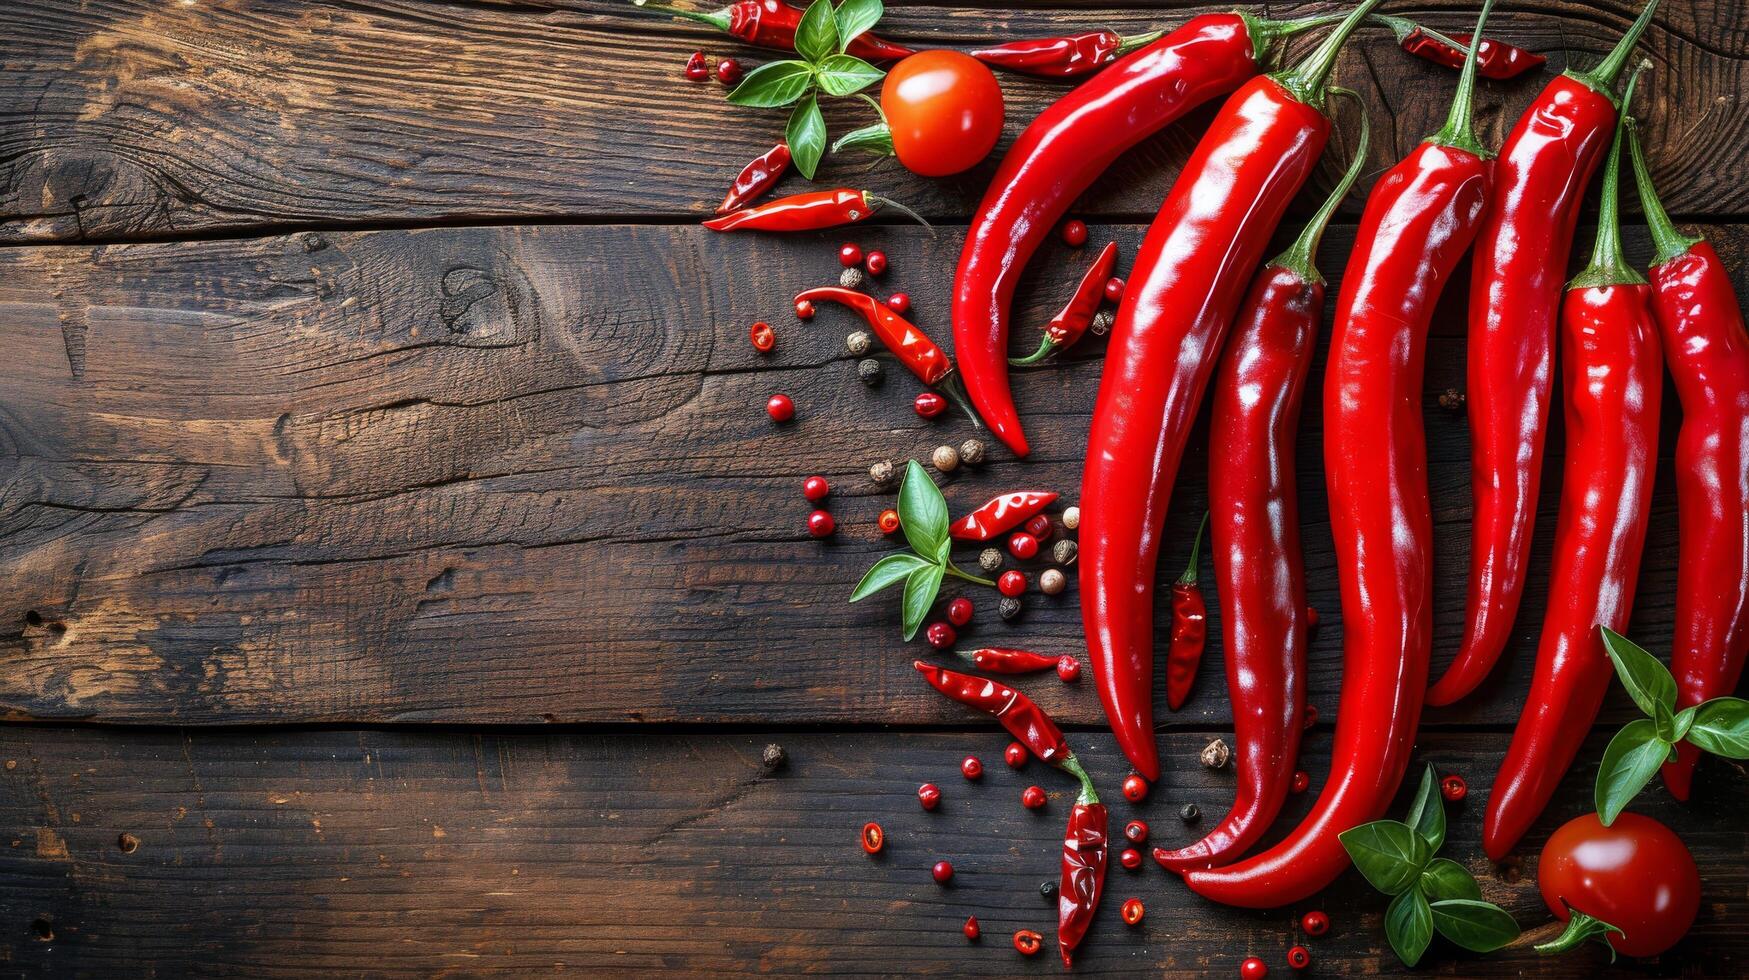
(873, 838)
(1133, 910)
(1028, 942)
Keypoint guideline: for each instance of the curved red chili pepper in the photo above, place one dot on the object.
(1190, 629)
(1086, 848)
(1612, 380)
(1254, 506)
(1059, 155)
(760, 174)
(1003, 660)
(1064, 57)
(1000, 514)
(1024, 720)
(1494, 59)
(1188, 279)
(920, 355)
(1707, 350)
(809, 212)
(1419, 221)
(772, 24)
(1068, 326)
(1515, 291)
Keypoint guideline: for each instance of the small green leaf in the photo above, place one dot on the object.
(1387, 853)
(806, 135)
(921, 587)
(1648, 681)
(1478, 926)
(1444, 879)
(1629, 762)
(854, 17)
(1427, 813)
(1664, 721)
(1684, 721)
(817, 33)
(1409, 926)
(922, 511)
(875, 138)
(887, 572)
(842, 74)
(1721, 726)
(773, 84)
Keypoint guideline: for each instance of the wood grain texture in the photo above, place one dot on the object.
(134, 119)
(469, 475)
(404, 853)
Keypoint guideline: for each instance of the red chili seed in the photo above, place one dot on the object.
(849, 254)
(1253, 969)
(971, 928)
(959, 611)
(971, 768)
(899, 303)
(1074, 233)
(1068, 669)
(804, 309)
(1032, 797)
(929, 795)
(1131, 859)
(875, 263)
(1028, 942)
(1022, 545)
(929, 404)
(1114, 289)
(1039, 526)
(816, 488)
(780, 408)
(872, 838)
(697, 68)
(728, 71)
(1135, 788)
(1315, 923)
(821, 524)
(888, 521)
(1011, 583)
(1133, 910)
(1015, 755)
(1453, 788)
(1299, 957)
(1300, 783)
(763, 337)
(942, 872)
(940, 635)
(1136, 832)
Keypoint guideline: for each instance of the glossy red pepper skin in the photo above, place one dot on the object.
(1495, 59)
(1070, 324)
(1000, 514)
(1063, 57)
(772, 24)
(760, 174)
(1190, 631)
(1003, 660)
(1025, 720)
(800, 212)
(1086, 850)
(920, 355)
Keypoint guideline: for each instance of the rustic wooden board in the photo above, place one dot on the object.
(398, 853)
(138, 119)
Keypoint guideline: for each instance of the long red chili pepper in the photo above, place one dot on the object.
(1612, 379)
(1190, 628)
(1705, 345)
(1062, 332)
(1189, 277)
(772, 24)
(1494, 59)
(1064, 57)
(1024, 720)
(1254, 506)
(1419, 221)
(760, 174)
(809, 212)
(1003, 660)
(1515, 291)
(1060, 154)
(999, 514)
(1086, 846)
(920, 355)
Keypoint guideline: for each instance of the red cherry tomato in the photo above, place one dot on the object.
(1011, 583)
(1022, 545)
(1074, 233)
(940, 635)
(821, 524)
(876, 263)
(728, 71)
(780, 408)
(1635, 875)
(872, 838)
(1131, 859)
(959, 611)
(1114, 290)
(816, 488)
(944, 109)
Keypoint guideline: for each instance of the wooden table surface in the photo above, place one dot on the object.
(398, 574)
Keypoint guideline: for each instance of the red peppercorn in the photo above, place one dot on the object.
(1135, 788)
(959, 611)
(929, 795)
(899, 303)
(1136, 832)
(849, 254)
(1074, 233)
(763, 337)
(1022, 545)
(697, 68)
(821, 524)
(929, 404)
(1032, 797)
(1299, 957)
(1315, 923)
(876, 263)
(1300, 783)
(804, 309)
(728, 71)
(1312, 617)
(1253, 969)
(1131, 859)
(940, 635)
(1133, 910)
(1011, 583)
(971, 768)
(872, 838)
(780, 408)
(971, 928)
(888, 521)
(1453, 788)
(816, 488)
(1028, 942)
(1068, 669)
(942, 872)
(1039, 526)
(1015, 755)
(1114, 289)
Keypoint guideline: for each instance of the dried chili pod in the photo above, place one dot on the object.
(1086, 848)
(1000, 514)
(756, 178)
(1078, 313)
(1064, 57)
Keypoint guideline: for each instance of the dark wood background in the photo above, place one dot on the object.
(398, 573)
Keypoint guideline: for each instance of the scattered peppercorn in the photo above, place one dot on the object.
(774, 756)
(1064, 552)
(942, 872)
(1051, 581)
(876, 263)
(971, 768)
(899, 303)
(1032, 797)
(882, 473)
(1015, 755)
(859, 343)
(870, 372)
(1011, 583)
(1136, 832)
(1315, 923)
(1131, 859)
(888, 521)
(1101, 323)
(1299, 957)
(1114, 289)
(1071, 517)
(849, 255)
(929, 404)
(959, 611)
(804, 309)
(872, 838)
(697, 68)
(1028, 942)
(1068, 669)
(1132, 911)
(972, 452)
(728, 71)
(850, 278)
(940, 635)
(1039, 526)
(1451, 399)
(1022, 545)
(1009, 608)
(780, 408)
(821, 524)
(816, 488)
(1190, 813)
(929, 795)
(1453, 788)
(1253, 969)
(1047, 890)
(1074, 233)
(1215, 754)
(971, 928)
(990, 559)
(1135, 788)
(763, 337)
(945, 458)
(1301, 782)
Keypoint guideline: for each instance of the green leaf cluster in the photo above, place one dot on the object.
(822, 38)
(1719, 726)
(1428, 894)
(923, 518)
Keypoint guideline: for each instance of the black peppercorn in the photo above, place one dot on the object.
(774, 756)
(870, 372)
(1047, 890)
(1064, 552)
(1189, 813)
(972, 452)
(1008, 608)
(850, 278)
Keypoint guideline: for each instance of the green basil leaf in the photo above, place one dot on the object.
(1629, 762)
(1478, 926)
(921, 588)
(1721, 726)
(773, 84)
(1409, 926)
(875, 138)
(854, 17)
(1387, 853)
(1648, 681)
(817, 33)
(1664, 721)
(1427, 813)
(887, 572)
(842, 74)
(806, 135)
(922, 511)
(1444, 878)
(1683, 722)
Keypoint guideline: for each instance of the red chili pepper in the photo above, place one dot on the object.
(1515, 291)
(1254, 504)
(1707, 351)
(1060, 154)
(1024, 720)
(1188, 280)
(1000, 514)
(1003, 660)
(1420, 219)
(1612, 380)
(1190, 628)
(1085, 851)
(1071, 323)
(922, 356)
(759, 176)
(1064, 57)
(772, 24)
(808, 212)
(1494, 59)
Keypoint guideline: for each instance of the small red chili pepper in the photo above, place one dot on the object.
(911, 345)
(1032, 797)
(1190, 628)
(942, 872)
(1453, 788)
(940, 635)
(1494, 59)
(1072, 321)
(1064, 57)
(971, 768)
(757, 177)
(809, 212)
(697, 68)
(929, 404)
(804, 309)
(1301, 783)
(875, 263)
(1028, 942)
(1136, 832)
(929, 795)
(1016, 755)
(1039, 526)
(850, 254)
(971, 928)
(1085, 850)
(1135, 788)
(959, 611)
(1000, 514)
(1132, 912)
(1130, 858)
(888, 521)
(1005, 660)
(772, 24)
(1011, 583)
(780, 408)
(899, 303)
(1025, 720)
(728, 71)
(1315, 923)
(764, 339)
(816, 488)
(872, 838)
(821, 524)
(1022, 545)
(1074, 233)
(1068, 669)
(1253, 969)
(1299, 957)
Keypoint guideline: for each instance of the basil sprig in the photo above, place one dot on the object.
(923, 518)
(822, 37)
(1719, 726)
(1429, 894)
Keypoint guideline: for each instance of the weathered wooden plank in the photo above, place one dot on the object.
(400, 853)
(468, 476)
(135, 119)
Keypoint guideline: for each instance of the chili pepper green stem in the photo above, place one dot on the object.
(1459, 131)
(1602, 78)
(1310, 79)
(1189, 576)
(1609, 266)
(1669, 242)
(953, 570)
(1127, 44)
(1045, 347)
(1580, 929)
(1072, 766)
(1301, 257)
(1265, 33)
(718, 19)
(876, 202)
(950, 386)
(1402, 27)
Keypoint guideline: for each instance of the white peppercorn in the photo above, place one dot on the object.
(972, 452)
(1051, 581)
(945, 458)
(859, 343)
(1064, 552)
(1072, 517)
